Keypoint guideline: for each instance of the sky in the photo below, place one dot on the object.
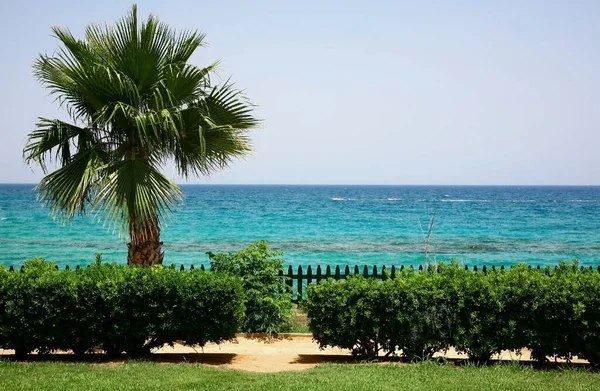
(379, 92)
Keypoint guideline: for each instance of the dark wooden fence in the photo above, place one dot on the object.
(303, 277)
(299, 280)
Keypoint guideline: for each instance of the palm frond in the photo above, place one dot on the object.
(135, 192)
(227, 106)
(182, 84)
(70, 189)
(186, 44)
(57, 136)
(215, 131)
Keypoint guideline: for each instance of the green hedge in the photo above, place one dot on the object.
(550, 312)
(116, 308)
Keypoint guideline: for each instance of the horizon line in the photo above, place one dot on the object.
(352, 184)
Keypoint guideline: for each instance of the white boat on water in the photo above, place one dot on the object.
(394, 199)
(336, 198)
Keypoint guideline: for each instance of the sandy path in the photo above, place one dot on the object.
(287, 353)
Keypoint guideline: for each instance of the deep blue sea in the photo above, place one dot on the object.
(364, 225)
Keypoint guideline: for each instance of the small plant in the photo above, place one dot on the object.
(268, 298)
(427, 238)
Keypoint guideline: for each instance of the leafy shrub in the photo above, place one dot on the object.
(411, 313)
(482, 327)
(586, 329)
(35, 300)
(117, 308)
(268, 299)
(554, 313)
(212, 308)
(421, 315)
(346, 314)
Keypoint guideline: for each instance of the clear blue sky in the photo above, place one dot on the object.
(378, 92)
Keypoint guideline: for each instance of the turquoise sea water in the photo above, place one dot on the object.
(367, 225)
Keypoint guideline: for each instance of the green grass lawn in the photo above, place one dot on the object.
(371, 377)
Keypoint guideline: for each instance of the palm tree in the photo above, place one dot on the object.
(136, 103)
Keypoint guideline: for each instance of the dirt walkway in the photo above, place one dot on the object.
(259, 355)
(289, 352)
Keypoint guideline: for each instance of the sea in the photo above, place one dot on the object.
(332, 225)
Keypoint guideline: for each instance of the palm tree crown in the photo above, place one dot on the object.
(135, 104)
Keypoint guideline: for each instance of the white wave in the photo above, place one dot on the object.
(465, 200)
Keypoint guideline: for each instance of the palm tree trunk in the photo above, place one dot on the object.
(145, 248)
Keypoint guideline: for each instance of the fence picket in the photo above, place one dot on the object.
(280, 274)
(290, 280)
(299, 285)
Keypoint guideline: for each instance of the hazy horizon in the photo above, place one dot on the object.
(389, 93)
(342, 184)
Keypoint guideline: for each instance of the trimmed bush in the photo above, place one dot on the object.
(421, 317)
(479, 308)
(268, 298)
(347, 314)
(586, 330)
(116, 308)
(554, 313)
